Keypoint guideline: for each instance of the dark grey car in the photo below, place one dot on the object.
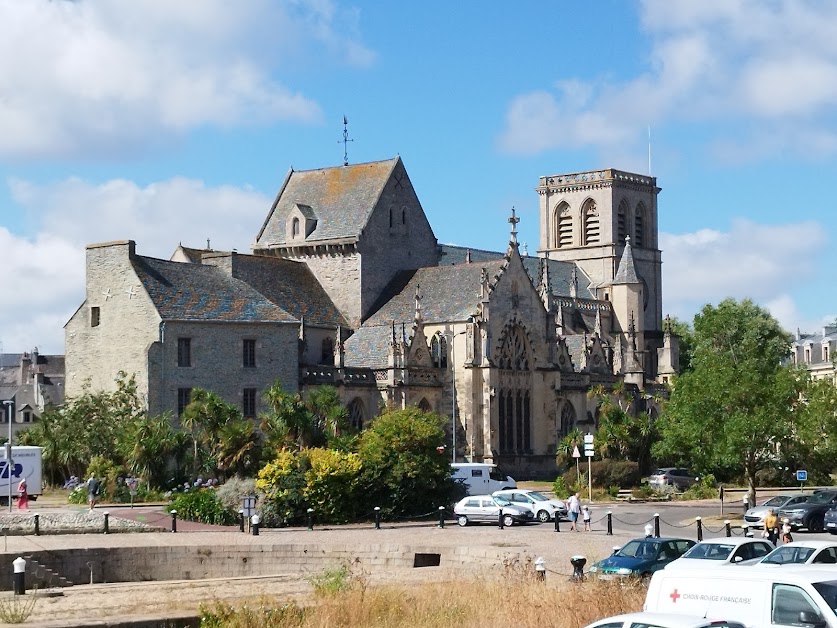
(677, 477)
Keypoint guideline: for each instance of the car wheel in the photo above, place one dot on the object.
(543, 516)
(508, 521)
(832, 531)
(816, 524)
(462, 520)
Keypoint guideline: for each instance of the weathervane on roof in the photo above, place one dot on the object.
(345, 141)
(513, 222)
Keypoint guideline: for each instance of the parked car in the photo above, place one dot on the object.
(641, 557)
(755, 516)
(830, 520)
(662, 620)
(810, 514)
(722, 552)
(802, 553)
(676, 477)
(544, 508)
(487, 508)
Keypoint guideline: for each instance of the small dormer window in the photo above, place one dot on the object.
(295, 228)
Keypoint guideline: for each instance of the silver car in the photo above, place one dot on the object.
(487, 508)
(676, 477)
(544, 508)
(754, 517)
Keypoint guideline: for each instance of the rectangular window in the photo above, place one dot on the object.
(184, 352)
(249, 353)
(183, 395)
(27, 417)
(94, 316)
(248, 403)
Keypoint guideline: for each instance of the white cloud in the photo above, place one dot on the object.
(749, 261)
(773, 64)
(108, 75)
(44, 274)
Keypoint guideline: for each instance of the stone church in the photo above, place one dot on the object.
(347, 285)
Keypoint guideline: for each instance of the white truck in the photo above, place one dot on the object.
(481, 478)
(26, 463)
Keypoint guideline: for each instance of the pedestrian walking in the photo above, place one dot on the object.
(23, 496)
(93, 486)
(746, 501)
(574, 507)
(585, 515)
(771, 526)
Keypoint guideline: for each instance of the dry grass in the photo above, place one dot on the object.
(513, 598)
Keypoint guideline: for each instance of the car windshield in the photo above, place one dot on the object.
(821, 498)
(638, 549)
(786, 555)
(538, 497)
(496, 474)
(710, 551)
(828, 591)
(775, 501)
(660, 472)
(501, 501)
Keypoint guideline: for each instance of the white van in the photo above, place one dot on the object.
(774, 598)
(481, 478)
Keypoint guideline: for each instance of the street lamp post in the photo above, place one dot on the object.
(9, 464)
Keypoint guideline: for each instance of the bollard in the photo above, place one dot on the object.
(728, 527)
(657, 525)
(441, 516)
(37, 524)
(107, 522)
(19, 566)
(747, 532)
(377, 517)
(241, 519)
(310, 512)
(578, 563)
(609, 523)
(699, 528)
(174, 521)
(500, 519)
(540, 569)
(557, 522)
(255, 520)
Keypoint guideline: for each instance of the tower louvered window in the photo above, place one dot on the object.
(639, 226)
(621, 222)
(591, 223)
(563, 226)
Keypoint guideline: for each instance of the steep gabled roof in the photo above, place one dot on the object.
(626, 272)
(197, 292)
(342, 199)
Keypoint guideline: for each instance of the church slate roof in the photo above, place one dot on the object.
(560, 273)
(291, 286)
(198, 292)
(575, 345)
(626, 273)
(342, 199)
(368, 347)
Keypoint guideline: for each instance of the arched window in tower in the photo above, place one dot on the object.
(622, 222)
(638, 239)
(590, 216)
(357, 414)
(567, 419)
(295, 228)
(563, 221)
(327, 353)
(424, 405)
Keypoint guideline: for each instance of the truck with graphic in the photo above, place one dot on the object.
(26, 463)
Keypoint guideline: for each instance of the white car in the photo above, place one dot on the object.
(802, 553)
(721, 552)
(544, 508)
(487, 508)
(661, 620)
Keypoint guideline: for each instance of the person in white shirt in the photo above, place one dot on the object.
(574, 508)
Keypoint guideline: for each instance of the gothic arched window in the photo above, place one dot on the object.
(439, 351)
(563, 221)
(622, 222)
(567, 419)
(514, 354)
(590, 216)
(639, 226)
(295, 228)
(327, 354)
(357, 414)
(424, 405)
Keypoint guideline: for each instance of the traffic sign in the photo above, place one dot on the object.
(576, 453)
(588, 439)
(588, 450)
(801, 475)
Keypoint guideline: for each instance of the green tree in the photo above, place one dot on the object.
(288, 421)
(216, 431)
(684, 333)
(625, 432)
(402, 467)
(731, 411)
(329, 417)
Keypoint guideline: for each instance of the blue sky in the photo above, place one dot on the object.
(176, 122)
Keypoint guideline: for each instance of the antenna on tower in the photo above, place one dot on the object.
(649, 150)
(345, 141)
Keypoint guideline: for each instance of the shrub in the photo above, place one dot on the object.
(203, 505)
(331, 485)
(704, 488)
(283, 483)
(231, 492)
(559, 487)
(606, 473)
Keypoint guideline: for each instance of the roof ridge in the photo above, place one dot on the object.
(341, 166)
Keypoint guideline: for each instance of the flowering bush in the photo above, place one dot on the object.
(202, 505)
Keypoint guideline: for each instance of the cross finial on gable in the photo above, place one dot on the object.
(513, 220)
(345, 141)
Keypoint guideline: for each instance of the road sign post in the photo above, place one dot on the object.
(577, 456)
(588, 451)
(801, 477)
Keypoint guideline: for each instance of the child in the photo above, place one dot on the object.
(786, 532)
(585, 515)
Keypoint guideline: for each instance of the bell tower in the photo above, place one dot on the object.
(586, 217)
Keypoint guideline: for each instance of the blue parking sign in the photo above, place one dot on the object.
(801, 475)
